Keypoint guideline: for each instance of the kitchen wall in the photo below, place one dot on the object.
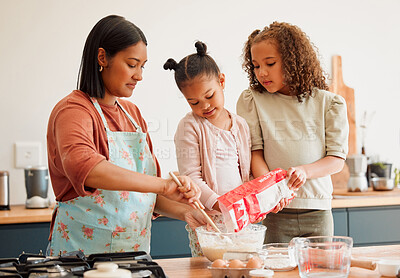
(42, 42)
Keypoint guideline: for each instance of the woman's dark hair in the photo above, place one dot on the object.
(300, 65)
(193, 65)
(113, 33)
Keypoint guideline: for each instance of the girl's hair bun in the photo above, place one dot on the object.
(170, 64)
(201, 48)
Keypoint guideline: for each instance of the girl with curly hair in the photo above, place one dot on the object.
(295, 124)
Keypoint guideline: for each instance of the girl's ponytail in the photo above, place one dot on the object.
(170, 64)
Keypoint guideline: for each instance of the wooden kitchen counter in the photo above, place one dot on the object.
(341, 199)
(20, 214)
(370, 198)
(197, 267)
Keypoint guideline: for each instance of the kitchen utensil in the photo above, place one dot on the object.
(278, 256)
(382, 184)
(214, 245)
(388, 267)
(36, 184)
(340, 179)
(367, 264)
(337, 86)
(385, 267)
(323, 256)
(208, 219)
(358, 168)
(4, 190)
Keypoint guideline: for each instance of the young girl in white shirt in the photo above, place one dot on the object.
(212, 144)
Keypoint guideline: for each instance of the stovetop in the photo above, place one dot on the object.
(74, 264)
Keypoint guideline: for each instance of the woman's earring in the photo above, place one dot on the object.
(101, 69)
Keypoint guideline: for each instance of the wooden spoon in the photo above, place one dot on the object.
(208, 219)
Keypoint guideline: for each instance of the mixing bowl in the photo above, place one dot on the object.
(214, 244)
(382, 184)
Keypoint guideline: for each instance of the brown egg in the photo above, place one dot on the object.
(236, 264)
(218, 263)
(254, 262)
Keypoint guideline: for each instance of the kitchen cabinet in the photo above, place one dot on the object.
(369, 225)
(168, 240)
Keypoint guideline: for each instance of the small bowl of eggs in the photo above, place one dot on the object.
(234, 268)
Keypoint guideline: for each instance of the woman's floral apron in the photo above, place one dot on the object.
(110, 221)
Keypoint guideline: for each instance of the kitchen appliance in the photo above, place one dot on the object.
(75, 264)
(323, 256)
(37, 183)
(358, 168)
(4, 190)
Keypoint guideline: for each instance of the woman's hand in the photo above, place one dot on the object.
(194, 218)
(187, 193)
(296, 177)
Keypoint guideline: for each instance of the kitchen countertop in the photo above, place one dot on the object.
(341, 199)
(197, 267)
(20, 214)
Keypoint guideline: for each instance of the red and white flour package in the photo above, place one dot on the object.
(254, 199)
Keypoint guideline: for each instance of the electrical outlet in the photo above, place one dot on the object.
(27, 154)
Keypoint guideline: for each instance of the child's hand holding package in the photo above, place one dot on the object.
(254, 199)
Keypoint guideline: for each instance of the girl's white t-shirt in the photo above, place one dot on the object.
(227, 163)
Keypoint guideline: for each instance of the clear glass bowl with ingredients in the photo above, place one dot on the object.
(214, 245)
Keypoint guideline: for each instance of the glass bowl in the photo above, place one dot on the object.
(214, 245)
(278, 256)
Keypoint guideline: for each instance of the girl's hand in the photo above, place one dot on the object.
(282, 203)
(297, 177)
(194, 218)
(216, 207)
(260, 219)
(187, 193)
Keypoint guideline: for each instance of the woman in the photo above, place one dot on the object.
(103, 171)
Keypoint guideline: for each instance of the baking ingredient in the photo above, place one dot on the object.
(213, 253)
(254, 199)
(261, 273)
(219, 263)
(214, 246)
(278, 262)
(236, 264)
(254, 262)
